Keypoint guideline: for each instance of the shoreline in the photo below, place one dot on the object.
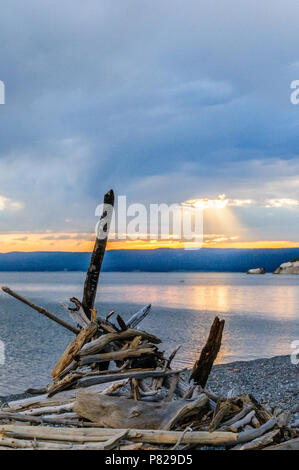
(272, 381)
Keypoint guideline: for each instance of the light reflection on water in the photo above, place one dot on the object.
(265, 299)
(261, 314)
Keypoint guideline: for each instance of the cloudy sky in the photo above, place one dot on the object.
(162, 100)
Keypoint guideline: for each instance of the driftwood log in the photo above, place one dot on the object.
(293, 444)
(259, 442)
(118, 412)
(138, 316)
(77, 313)
(41, 310)
(224, 408)
(247, 436)
(73, 348)
(49, 419)
(130, 374)
(187, 410)
(203, 366)
(98, 344)
(93, 273)
(98, 435)
(242, 422)
(237, 417)
(116, 355)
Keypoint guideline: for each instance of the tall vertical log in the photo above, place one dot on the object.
(202, 368)
(93, 273)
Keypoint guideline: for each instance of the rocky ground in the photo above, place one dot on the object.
(274, 382)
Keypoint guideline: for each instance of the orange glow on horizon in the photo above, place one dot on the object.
(74, 242)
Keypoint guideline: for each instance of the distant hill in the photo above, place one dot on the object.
(161, 260)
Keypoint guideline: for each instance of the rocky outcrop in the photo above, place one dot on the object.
(291, 267)
(256, 271)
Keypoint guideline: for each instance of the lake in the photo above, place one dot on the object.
(261, 314)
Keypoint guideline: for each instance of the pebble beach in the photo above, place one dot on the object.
(274, 382)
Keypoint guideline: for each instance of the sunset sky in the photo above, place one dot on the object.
(163, 101)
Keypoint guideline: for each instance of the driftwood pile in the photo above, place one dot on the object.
(114, 389)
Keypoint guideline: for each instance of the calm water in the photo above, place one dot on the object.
(261, 314)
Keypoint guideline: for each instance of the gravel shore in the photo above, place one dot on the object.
(273, 382)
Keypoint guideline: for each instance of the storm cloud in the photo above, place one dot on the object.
(164, 101)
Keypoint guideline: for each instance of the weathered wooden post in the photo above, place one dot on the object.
(202, 368)
(93, 273)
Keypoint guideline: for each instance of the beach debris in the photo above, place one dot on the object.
(113, 388)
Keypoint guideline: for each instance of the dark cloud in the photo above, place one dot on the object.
(161, 100)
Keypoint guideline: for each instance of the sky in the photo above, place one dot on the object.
(163, 101)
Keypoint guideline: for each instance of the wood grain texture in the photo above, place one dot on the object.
(73, 349)
(93, 273)
(202, 368)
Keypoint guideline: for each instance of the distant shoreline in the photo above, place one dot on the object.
(150, 272)
(159, 260)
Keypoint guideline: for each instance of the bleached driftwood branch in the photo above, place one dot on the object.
(41, 310)
(138, 316)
